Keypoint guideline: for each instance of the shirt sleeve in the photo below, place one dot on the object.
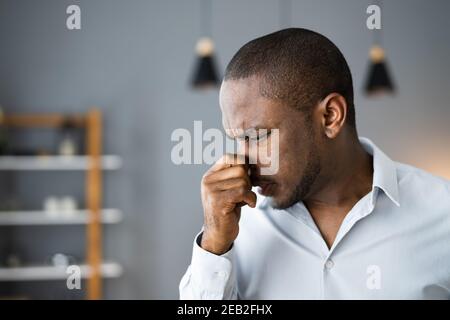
(209, 276)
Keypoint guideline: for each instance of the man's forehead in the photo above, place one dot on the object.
(241, 104)
(239, 93)
(245, 120)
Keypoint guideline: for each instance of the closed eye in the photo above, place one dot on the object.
(261, 136)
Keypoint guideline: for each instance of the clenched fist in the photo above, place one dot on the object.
(225, 188)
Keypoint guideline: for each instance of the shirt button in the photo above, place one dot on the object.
(329, 264)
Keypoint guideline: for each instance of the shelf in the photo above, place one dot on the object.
(23, 218)
(108, 162)
(35, 273)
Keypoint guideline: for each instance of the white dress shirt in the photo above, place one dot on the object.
(393, 244)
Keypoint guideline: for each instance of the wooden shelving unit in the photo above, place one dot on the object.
(38, 273)
(42, 218)
(57, 163)
(93, 163)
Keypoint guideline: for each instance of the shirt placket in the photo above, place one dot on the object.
(362, 208)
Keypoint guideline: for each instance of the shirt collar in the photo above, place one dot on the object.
(384, 172)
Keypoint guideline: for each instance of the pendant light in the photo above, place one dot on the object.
(205, 72)
(379, 80)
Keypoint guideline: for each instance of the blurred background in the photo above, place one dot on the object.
(134, 62)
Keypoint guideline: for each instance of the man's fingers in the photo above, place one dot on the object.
(233, 183)
(229, 173)
(240, 195)
(228, 160)
(250, 198)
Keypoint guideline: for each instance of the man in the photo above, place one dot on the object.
(339, 220)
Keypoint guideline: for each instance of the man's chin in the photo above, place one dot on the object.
(279, 204)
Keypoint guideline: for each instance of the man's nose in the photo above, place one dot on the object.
(248, 151)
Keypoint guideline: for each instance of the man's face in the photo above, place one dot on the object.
(244, 109)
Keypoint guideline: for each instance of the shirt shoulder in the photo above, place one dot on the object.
(421, 186)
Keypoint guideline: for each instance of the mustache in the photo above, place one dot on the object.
(258, 180)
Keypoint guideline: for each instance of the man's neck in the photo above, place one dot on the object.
(349, 179)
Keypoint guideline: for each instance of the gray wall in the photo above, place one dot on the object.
(133, 59)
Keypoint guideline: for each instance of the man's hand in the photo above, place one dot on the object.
(225, 188)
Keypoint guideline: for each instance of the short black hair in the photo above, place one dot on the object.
(297, 66)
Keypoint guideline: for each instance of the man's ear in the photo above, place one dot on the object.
(333, 113)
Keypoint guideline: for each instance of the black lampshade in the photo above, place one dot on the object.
(379, 80)
(205, 71)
